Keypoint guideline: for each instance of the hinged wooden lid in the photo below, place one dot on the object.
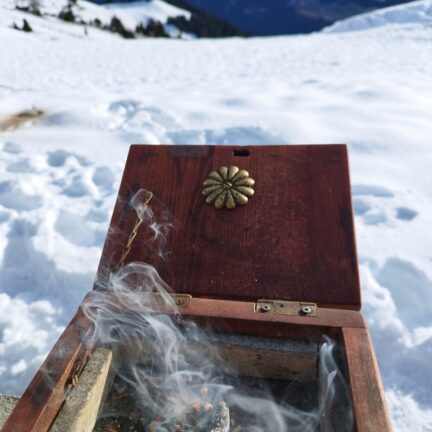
(294, 240)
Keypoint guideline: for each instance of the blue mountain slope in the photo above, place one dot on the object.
(273, 17)
(267, 17)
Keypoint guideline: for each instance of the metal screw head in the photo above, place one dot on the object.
(179, 302)
(265, 308)
(306, 310)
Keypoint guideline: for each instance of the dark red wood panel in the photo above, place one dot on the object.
(370, 408)
(294, 240)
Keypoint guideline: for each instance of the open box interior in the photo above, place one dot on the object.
(300, 384)
(177, 376)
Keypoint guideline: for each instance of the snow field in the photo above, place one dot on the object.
(59, 175)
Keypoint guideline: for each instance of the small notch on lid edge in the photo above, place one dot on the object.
(244, 152)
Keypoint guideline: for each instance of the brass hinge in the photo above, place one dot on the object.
(282, 307)
(78, 367)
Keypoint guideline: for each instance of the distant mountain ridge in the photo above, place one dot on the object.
(276, 17)
(202, 23)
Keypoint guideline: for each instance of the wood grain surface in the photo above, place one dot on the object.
(294, 240)
(367, 392)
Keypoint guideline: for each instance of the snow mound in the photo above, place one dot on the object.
(130, 14)
(414, 13)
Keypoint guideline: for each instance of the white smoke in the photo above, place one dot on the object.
(172, 372)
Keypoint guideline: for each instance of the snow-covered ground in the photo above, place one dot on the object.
(371, 89)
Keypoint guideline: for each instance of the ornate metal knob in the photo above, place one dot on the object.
(228, 187)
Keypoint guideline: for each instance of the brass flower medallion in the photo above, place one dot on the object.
(228, 187)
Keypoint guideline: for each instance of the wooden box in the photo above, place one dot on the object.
(281, 266)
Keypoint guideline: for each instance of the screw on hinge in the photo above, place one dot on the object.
(265, 308)
(306, 310)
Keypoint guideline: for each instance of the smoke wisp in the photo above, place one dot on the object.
(168, 374)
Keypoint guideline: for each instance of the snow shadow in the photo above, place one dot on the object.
(397, 298)
(30, 275)
(241, 135)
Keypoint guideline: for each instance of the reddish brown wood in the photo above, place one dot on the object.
(232, 316)
(240, 311)
(366, 388)
(294, 240)
(239, 318)
(44, 396)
